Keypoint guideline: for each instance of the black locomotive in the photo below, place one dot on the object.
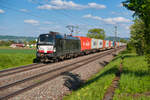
(53, 46)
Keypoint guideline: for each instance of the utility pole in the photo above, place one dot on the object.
(115, 34)
(77, 30)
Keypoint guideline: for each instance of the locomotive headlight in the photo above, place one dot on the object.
(49, 48)
(40, 48)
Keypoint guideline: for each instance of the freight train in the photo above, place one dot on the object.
(53, 46)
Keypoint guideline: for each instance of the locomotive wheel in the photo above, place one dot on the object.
(36, 60)
(42, 60)
(56, 60)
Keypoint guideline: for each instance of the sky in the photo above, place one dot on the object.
(34, 17)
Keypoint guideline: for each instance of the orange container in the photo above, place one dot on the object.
(104, 44)
(85, 43)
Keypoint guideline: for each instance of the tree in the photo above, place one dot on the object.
(123, 40)
(141, 10)
(32, 42)
(137, 38)
(6, 43)
(96, 33)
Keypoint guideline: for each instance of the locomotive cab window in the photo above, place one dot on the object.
(46, 39)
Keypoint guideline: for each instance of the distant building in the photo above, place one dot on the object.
(31, 45)
(17, 45)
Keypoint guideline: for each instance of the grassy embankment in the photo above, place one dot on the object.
(134, 83)
(15, 57)
(135, 79)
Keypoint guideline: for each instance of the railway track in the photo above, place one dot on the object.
(12, 71)
(23, 85)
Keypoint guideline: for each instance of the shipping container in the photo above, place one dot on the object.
(118, 44)
(112, 44)
(107, 43)
(104, 44)
(94, 43)
(100, 44)
(85, 43)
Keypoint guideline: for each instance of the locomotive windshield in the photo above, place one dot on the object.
(46, 39)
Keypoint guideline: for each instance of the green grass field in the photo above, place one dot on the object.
(134, 82)
(15, 57)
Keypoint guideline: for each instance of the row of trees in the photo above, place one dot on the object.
(9, 42)
(6, 43)
(96, 33)
(137, 38)
(140, 31)
(99, 33)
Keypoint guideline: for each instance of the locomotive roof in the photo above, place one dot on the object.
(59, 36)
(66, 37)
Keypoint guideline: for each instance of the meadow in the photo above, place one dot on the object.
(15, 57)
(133, 85)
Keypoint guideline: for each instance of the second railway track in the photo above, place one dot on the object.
(20, 69)
(23, 85)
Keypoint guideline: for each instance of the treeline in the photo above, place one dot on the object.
(16, 38)
(140, 30)
(9, 42)
(6, 43)
(99, 33)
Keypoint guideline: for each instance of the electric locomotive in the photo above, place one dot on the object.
(53, 46)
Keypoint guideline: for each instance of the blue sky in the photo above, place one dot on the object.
(34, 17)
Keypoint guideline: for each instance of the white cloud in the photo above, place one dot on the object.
(63, 4)
(2, 11)
(108, 20)
(113, 12)
(31, 21)
(24, 10)
(47, 22)
(127, 27)
(95, 5)
(92, 17)
(120, 5)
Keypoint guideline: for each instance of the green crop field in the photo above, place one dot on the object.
(133, 85)
(15, 57)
